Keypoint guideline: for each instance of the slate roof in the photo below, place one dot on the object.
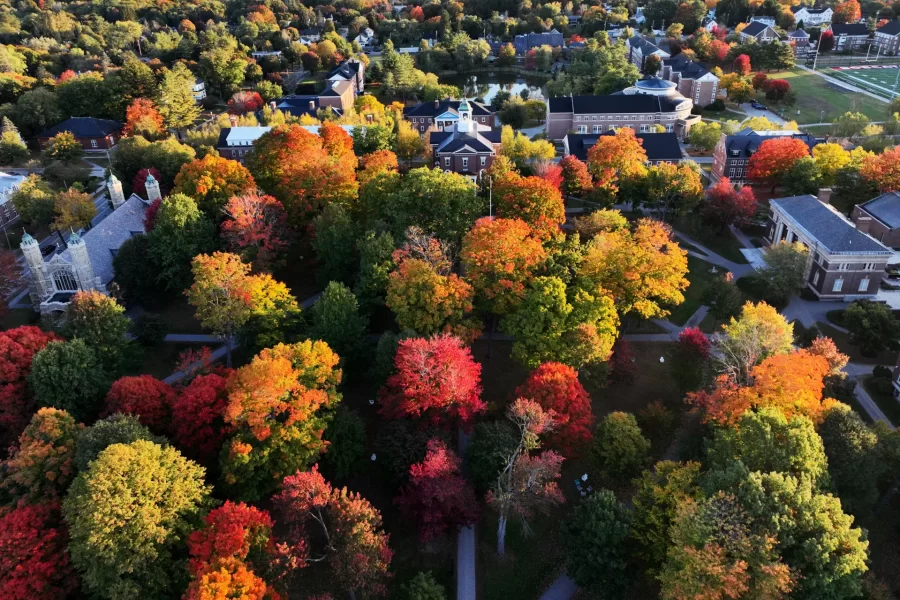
(615, 103)
(450, 141)
(658, 146)
(107, 236)
(809, 9)
(890, 28)
(798, 34)
(885, 208)
(747, 141)
(688, 68)
(84, 127)
(825, 225)
(428, 109)
(755, 28)
(299, 105)
(646, 46)
(347, 69)
(850, 29)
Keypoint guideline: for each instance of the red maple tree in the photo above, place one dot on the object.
(726, 206)
(145, 397)
(576, 179)
(549, 171)
(556, 388)
(777, 89)
(438, 498)
(436, 378)
(198, 426)
(34, 562)
(17, 347)
(245, 102)
(231, 531)
(257, 229)
(759, 81)
(775, 157)
(142, 118)
(742, 65)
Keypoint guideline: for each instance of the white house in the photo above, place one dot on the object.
(812, 16)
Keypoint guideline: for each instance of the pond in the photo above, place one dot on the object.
(486, 85)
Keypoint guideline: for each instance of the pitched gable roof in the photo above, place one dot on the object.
(829, 228)
(890, 28)
(885, 208)
(850, 29)
(658, 146)
(755, 28)
(84, 127)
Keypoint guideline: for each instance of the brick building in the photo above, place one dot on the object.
(466, 147)
(692, 79)
(91, 133)
(731, 157)
(880, 218)
(660, 147)
(442, 115)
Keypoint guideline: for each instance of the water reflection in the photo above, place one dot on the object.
(486, 85)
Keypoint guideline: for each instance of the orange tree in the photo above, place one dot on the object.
(142, 118)
(500, 257)
(615, 159)
(775, 158)
(532, 199)
(299, 169)
(212, 180)
(276, 407)
(883, 170)
(644, 270)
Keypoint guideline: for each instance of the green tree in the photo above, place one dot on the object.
(766, 441)
(423, 587)
(176, 97)
(872, 327)
(346, 437)
(12, 148)
(335, 245)
(375, 266)
(661, 492)
(34, 200)
(853, 458)
(114, 429)
(620, 450)
(491, 445)
(757, 334)
(705, 135)
(37, 110)
(135, 272)
(128, 515)
(849, 124)
(336, 321)
(571, 325)
(101, 322)
(785, 271)
(69, 376)
(181, 232)
(803, 178)
(596, 540)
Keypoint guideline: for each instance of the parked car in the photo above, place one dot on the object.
(759, 106)
(49, 250)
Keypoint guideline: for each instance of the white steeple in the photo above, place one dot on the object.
(465, 123)
(152, 186)
(81, 263)
(116, 195)
(40, 286)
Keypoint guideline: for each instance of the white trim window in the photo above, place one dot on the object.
(447, 161)
(582, 129)
(465, 162)
(864, 285)
(838, 284)
(483, 160)
(93, 143)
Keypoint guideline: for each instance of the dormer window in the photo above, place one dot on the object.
(735, 152)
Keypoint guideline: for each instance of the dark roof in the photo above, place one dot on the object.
(747, 141)
(850, 29)
(615, 103)
(755, 28)
(428, 109)
(646, 46)
(84, 127)
(885, 208)
(809, 9)
(223, 137)
(825, 225)
(799, 33)
(688, 68)
(890, 28)
(658, 146)
(299, 105)
(348, 68)
(450, 141)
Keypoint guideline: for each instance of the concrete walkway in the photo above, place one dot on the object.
(193, 338)
(179, 375)
(466, 577)
(716, 259)
(561, 589)
(856, 371)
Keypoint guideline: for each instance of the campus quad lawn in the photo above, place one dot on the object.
(814, 95)
(699, 277)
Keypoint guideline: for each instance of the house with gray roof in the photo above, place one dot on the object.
(880, 218)
(758, 31)
(466, 147)
(844, 262)
(638, 49)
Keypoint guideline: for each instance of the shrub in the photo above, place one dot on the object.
(490, 447)
(149, 329)
(346, 437)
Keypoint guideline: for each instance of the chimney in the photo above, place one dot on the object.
(437, 103)
(824, 195)
(233, 119)
(272, 105)
(312, 105)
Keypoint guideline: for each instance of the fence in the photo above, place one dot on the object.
(868, 56)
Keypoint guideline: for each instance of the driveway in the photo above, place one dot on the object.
(754, 112)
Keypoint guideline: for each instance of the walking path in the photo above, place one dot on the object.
(561, 589)
(465, 545)
(710, 256)
(856, 370)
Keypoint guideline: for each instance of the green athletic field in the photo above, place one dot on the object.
(878, 80)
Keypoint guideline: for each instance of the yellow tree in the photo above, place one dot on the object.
(221, 294)
(675, 188)
(830, 158)
(212, 180)
(643, 270)
(615, 159)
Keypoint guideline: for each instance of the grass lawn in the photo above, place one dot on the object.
(179, 316)
(842, 340)
(699, 276)
(886, 402)
(159, 361)
(815, 95)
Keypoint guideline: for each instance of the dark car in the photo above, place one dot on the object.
(759, 106)
(49, 250)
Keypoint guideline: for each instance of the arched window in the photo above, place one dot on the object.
(64, 281)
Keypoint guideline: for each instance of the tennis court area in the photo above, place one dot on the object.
(878, 79)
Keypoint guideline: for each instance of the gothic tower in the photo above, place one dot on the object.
(81, 263)
(40, 286)
(152, 186)
(116, 195)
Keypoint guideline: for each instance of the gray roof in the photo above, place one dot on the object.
(754, 28)
(885, 208)
(858, 29)
(105, 238)
(614, 103)
(890, 28)
(824, 224)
